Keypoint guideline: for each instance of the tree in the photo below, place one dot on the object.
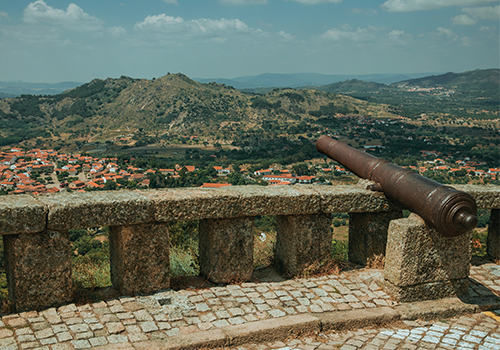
(110, 185)
(301, 169)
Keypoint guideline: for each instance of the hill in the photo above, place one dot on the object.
(15, 89)
(353, 86)
(268, 80)
(474, 94)
(167, 109)
(479, 80)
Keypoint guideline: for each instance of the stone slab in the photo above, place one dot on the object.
(211, 339)
(428, 291)
(22, 214)
(417, 254)
(354, 319)
(486, 196)
(94, 209)
(272, 329)
(139, 258)
(236, 201)
(354, 199)
(302, 240)
(226, 249)
(38, 270)
(435, 309)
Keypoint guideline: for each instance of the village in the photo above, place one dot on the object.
(39, 171)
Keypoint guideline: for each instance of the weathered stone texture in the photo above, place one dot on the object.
(139, 257)
(486, 196)
(368, 234)
(302, 240)
(21, 214)
(93, 209)
(428, 291)
(418, 255)
(493, 242)
(354, 199)
(226, 249)
(38, 269)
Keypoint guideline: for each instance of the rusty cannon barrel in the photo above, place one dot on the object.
(449, 211)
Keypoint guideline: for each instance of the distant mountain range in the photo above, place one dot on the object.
(268, 80)
(14, 89)
(485, 82)
(265, 82)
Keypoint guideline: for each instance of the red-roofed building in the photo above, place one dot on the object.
(305, 179)
(213, 185)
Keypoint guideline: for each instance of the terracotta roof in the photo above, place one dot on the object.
(213, 185)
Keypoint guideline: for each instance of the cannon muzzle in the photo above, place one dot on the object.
(449, 211)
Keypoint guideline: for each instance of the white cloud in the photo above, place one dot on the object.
(315, 2)
(484, 29)
(243, 2)
(360, 11)
(172, 2)
(117, 31)
(487, 12)
(348, 33)
(418, 5)
(466, 41)
(463, 20)
(74, 17)
(3, 15)
(447, 32)
(202, 27)
(286, 36)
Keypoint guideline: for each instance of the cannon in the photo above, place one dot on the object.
(449, 211)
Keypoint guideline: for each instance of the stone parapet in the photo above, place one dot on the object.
(22, 214)
(63, 211)
(93, 209)
(139, 238)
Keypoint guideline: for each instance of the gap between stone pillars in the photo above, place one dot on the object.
(493, 241)
(368, 234)
(302, 240)
(421, 264)
(139, 258)
(226, 249)
(38, 267)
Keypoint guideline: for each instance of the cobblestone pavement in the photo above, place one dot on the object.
(478, 331)
(167, 314)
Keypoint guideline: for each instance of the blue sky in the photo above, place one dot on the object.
(79, 40)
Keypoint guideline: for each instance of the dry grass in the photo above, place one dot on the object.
(88, 276)
(375, 262)
(263, 253)
(322, 267)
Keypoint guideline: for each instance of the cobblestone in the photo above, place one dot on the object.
(138, 319)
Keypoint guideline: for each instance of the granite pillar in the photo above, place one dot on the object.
(139, 258)
(302, 240)
(38, 267)
(421, 264)
(226, 249)
(493, 241)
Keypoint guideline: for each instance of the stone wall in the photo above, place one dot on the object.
(139, 238)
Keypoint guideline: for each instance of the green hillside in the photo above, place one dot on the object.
(353, 86)
(166, 107)
(479, 80)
